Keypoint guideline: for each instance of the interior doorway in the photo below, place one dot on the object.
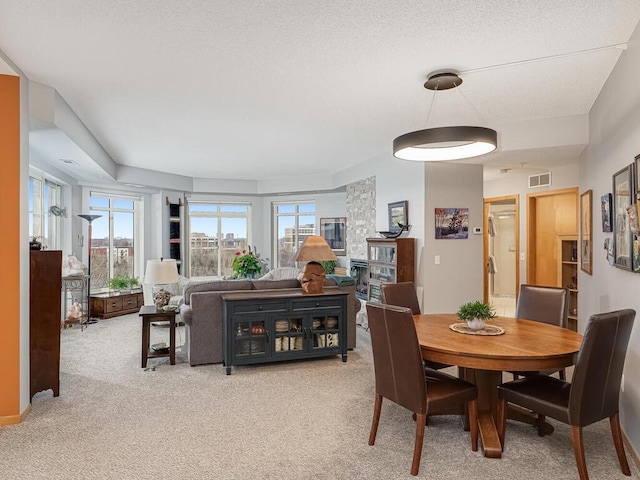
(501, 253)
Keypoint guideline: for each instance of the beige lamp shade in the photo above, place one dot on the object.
(161, 272)
(315, 248)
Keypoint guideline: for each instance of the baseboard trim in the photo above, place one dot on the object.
(15, 419)
(634, 453)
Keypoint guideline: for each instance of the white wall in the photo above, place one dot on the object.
(614, 127)
(459, 276)
(396, 180)
(516, 182)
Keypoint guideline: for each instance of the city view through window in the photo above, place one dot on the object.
(294, 223)
(216, 233)
(112, 240)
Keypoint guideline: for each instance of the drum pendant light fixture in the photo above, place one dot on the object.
(444, 143)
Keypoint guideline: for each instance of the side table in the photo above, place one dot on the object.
(149, 314)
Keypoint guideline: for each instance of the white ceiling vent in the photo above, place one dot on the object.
(540, 180)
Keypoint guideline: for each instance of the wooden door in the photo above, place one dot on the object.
(549, 214)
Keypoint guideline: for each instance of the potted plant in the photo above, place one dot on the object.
(247, 263)
(328, 265)
(476, 314)
(122, 282)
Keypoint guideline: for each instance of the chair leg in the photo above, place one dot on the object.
(563, 374)
(417, 449)
(578, 451)
(502, 420)
(376, 419)
(540, 419)
(472, 408)
(614, 420)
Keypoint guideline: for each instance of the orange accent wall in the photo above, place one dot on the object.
(10, 245)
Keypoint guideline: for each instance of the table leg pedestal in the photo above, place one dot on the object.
(523, 415)
(487, 382)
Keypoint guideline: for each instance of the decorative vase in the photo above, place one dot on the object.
(477, 323)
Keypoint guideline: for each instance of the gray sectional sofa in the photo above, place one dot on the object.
(202, 313)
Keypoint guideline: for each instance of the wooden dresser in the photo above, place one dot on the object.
(45, 303)
(107, 305)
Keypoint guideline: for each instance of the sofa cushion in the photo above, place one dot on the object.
(275, 284)
(281, 273)
(215, 286)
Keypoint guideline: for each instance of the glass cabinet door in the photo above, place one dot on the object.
(250, 338)
(288, 335)
(382, 273)
(382, 253)
(325, 332)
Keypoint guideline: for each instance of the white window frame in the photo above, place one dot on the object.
(138, 221)
(53, 237)
(217, 215)
(297, 214)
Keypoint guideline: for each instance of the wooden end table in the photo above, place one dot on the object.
(150, 313)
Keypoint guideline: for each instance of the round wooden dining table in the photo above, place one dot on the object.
(525, 345)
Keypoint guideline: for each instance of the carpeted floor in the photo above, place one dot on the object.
(294, 420)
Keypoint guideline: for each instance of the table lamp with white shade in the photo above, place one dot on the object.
(159, 273)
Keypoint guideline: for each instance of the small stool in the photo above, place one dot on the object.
(150, 313)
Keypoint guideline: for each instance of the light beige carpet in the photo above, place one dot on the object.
(295, 420)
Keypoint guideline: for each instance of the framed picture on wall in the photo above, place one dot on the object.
(334, 231)
(451, 223)
(637, 178)
(622, 235)
(586, 248)
(398, 215)
(605, 208)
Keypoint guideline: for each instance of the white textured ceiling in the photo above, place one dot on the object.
(266, 89)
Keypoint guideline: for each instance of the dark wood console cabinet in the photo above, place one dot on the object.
(45, 304)
(107, 305)
(276, 325)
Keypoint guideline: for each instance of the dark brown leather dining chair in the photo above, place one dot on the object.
(593, 393)
(400, 376)
(403, 294)
(543, 304)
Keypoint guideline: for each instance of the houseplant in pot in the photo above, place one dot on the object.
(121, 282)
(476, 314)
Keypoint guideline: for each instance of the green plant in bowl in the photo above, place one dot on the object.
(122, 282)
(476, 314)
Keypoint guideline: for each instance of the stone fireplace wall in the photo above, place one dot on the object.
(361, 216)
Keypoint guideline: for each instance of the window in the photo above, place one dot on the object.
(293, 223)
(43, 222)
(113, 241)
(216, 232)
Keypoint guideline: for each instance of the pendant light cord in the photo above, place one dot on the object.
(482, 120)
(433, 99)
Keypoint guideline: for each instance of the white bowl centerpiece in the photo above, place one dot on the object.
(476, 314)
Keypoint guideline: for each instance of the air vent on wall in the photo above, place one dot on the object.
(540, 180)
